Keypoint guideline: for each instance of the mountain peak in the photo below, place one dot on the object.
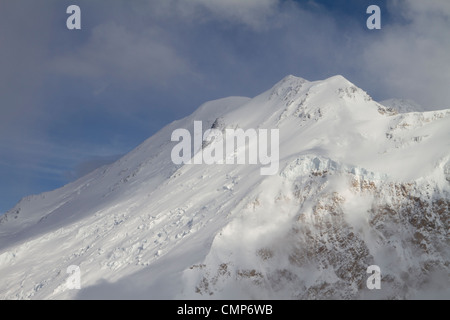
(292, 85)
(291, 78)
(287, 84)
(339, 80)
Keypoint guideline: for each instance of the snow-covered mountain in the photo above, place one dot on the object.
(359, 184)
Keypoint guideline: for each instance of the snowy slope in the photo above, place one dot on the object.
(359, 183)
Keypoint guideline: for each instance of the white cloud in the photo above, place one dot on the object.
(417, 8)
(412, 59)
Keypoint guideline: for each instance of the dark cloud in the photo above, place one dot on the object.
(113, 52)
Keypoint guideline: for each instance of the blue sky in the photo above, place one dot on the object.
(73, 100)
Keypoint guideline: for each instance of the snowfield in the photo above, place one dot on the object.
(359, 183)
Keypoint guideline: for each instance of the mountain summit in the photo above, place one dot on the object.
(359, 184)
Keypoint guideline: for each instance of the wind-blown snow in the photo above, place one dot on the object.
(359, 183)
